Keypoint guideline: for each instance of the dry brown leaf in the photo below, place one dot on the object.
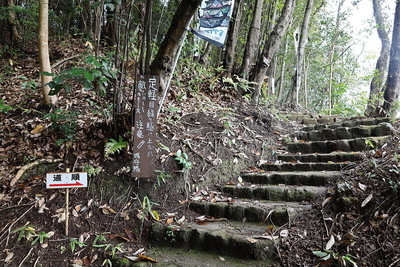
(366, 200)
(143, 257)
(169, 220)
(326, 201)
(252, 240)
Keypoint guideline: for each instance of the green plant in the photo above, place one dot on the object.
(161, 177)
(28, 84)
(114, 146)
(28, 232)
(170, 236)
(147, 209)
(65, 122)
(3, 107)
(183, 159)
(327, 253)
(74, 242)
(98, 73)
(92, 171)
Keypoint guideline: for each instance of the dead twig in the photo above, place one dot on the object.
(30, 165)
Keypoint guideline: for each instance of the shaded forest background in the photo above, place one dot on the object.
(318, 63)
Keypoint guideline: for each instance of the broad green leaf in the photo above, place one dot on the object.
(47, 73)
(88, 76)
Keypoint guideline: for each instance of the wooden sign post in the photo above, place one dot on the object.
(145, 126)
(66, 180)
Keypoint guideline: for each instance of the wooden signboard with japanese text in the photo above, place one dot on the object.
(145, 126)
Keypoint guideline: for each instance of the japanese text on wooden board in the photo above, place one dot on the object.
(145, 126)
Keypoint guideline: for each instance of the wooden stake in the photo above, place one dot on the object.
(66, 208)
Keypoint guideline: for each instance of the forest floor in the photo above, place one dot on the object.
(222, 134)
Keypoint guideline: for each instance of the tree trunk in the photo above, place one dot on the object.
(382, 63)
(332, 59)
(162, 64)
(252, 40)
(233, 32)
(12, 17)
(392, 91)
(300, 54)
(43, 47)
(145, 53)
(271, 46)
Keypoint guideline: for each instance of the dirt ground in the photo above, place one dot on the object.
(222, 135)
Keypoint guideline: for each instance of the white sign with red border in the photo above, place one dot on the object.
(66, 180)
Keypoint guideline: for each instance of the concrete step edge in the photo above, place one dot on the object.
(241, 240)
(261, 211)
(276, 193)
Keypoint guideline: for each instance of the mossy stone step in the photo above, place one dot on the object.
(275, 213)
(330, 157)
(306, 166)
(319, 178)
(381, 129)
(356, 144)
(225, 238)
(352, 122)
(276, 192)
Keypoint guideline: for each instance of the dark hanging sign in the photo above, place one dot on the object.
(214, 21)
(145, 126)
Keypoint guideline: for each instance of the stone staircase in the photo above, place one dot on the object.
(275, 194)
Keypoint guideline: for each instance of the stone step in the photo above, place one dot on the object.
(306, 166)
(276, 192)
(356, 144)
(352, 122)
(261, 211)
(316, 157)
(319, 178)
(241, 240)
(381, 129)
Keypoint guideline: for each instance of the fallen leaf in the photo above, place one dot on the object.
(38, 129)
(221, 258)
(362, 186)
(284, 233)
(170, 220)
(143, 257)
(330, 243)
(9, 256)
(252, 240)
(326, 201)
(366, 200)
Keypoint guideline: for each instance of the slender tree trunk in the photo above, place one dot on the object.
(392, 91)
(282, 77)
(300, 54)
(271, 46)
(382, 63)
(163, 62)
(252, 43)
(332, 58)
(12, 18)
(43, 47)
(233, 32)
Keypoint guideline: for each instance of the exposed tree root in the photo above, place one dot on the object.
(30, 165)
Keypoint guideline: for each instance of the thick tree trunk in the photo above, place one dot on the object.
(271, 46)
(300, 54)
(382, 63)
(252, 40)
(43, 47)
(392, 91)
(233, 32)
(162, 64)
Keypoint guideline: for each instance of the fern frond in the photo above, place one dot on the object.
(114, 146)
